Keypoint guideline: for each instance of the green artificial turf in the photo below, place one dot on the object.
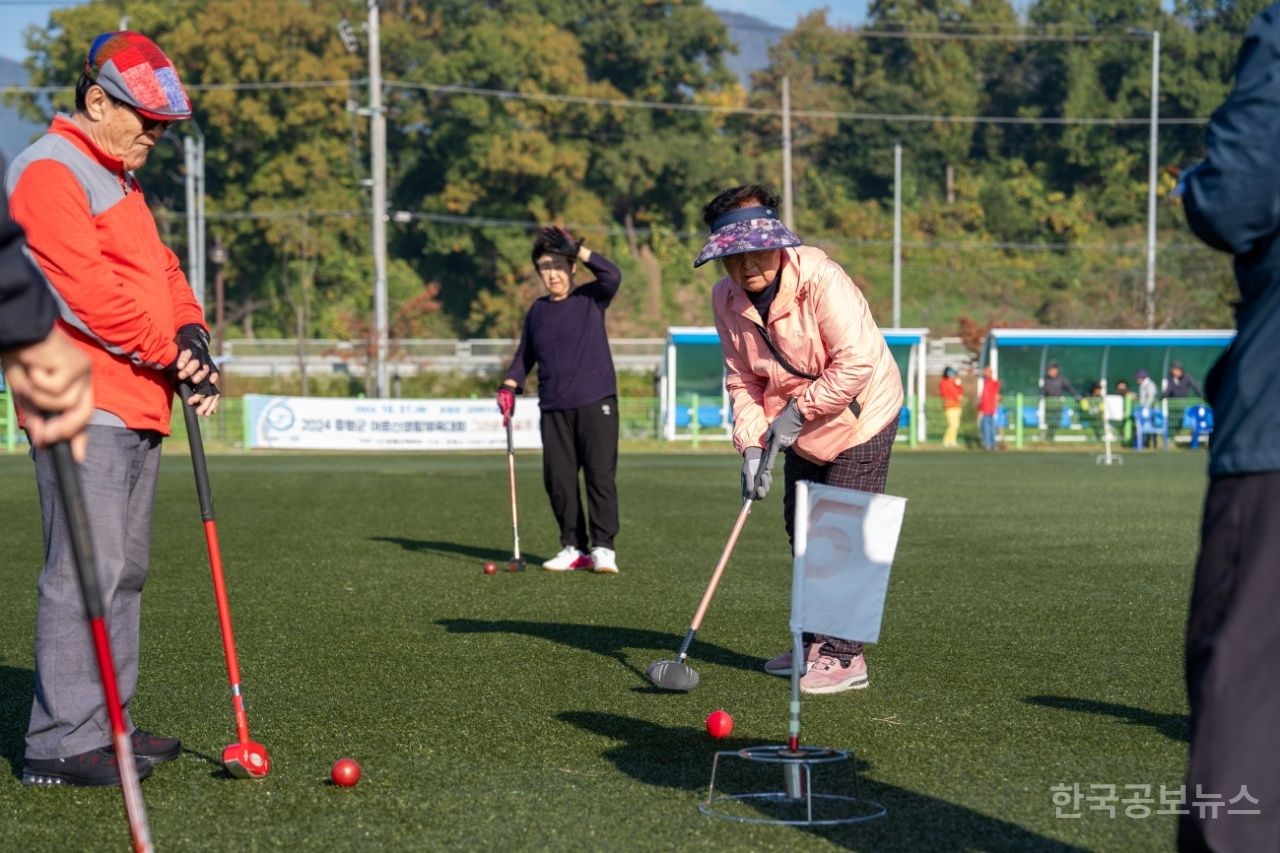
(1032, 638)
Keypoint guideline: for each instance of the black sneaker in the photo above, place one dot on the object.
(91, 769)
(155, 749)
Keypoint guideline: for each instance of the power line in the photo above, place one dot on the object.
(632, 103)
(626, 103)
(207, 87)
(406, 216)
(974, 31)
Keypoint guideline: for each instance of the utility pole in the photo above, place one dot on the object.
(193, 243)
(1151, 179)
(897, 235)
(219, 297)
(202, 234)
(304, 284)
(378, 167)
(787, 209)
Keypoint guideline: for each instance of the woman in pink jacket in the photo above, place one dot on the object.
(806, 368)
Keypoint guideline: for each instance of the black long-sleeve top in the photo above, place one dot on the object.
(568, 343)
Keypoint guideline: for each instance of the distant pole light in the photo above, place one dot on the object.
(348, 36)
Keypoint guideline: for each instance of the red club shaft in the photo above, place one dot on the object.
(228, 633)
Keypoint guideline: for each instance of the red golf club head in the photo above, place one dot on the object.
(248, 760)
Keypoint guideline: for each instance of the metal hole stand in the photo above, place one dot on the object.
(797, 797)
(1108, 458)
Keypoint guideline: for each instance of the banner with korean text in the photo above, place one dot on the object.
(341, 423)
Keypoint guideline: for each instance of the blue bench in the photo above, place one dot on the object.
(1198, 419)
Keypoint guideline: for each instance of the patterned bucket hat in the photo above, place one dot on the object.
(746, 229)
(130, 68)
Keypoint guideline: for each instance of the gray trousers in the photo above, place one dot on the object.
(68, 715)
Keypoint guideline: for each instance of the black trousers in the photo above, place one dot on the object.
(1233, 672)
(864, 467)
(586, 439)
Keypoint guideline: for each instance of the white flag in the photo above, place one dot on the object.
(845, 542)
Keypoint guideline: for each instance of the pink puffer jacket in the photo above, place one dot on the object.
(822, 324)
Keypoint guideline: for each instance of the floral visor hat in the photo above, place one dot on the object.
(746, 229)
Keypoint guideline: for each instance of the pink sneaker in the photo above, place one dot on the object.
(781, 665)
(829, 675)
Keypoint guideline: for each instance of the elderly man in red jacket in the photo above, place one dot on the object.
(123, 300)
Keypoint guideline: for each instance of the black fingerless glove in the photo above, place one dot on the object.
(195, 338)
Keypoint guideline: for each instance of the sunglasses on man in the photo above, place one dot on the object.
(148, 124)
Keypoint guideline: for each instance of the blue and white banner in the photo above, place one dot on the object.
(341, 423)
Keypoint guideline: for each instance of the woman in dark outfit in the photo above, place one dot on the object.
(564, 335)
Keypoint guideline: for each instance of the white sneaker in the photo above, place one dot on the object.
(604, 561)
(569, 559)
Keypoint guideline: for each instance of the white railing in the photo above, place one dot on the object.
(272, 357)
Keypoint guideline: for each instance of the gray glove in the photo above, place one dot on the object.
(786, 427)
(756, 477)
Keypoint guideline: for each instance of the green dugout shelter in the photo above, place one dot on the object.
(694, 402)
(1087, 358)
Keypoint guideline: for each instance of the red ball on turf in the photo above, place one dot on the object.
(719, 724)
(345, 772)
(490, 568)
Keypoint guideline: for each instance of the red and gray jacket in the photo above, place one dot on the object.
(121, 293)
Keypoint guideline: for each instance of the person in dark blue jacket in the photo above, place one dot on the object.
(1232, 201)
(564, 335)
(46, 374)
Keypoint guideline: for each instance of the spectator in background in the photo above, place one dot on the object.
(1054, 388)
(1232, 201)
(1180, 384)
(1055, 384)
(1148, 393)
(1122, 390)
(564, 335)
(988, 404)
(952, 394)
(1094, 408)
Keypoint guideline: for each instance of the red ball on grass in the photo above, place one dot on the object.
(719, 724)
(345, 772)
(490, 568)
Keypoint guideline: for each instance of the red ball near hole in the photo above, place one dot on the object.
(345, 772)
(490, 568)
(719, 724)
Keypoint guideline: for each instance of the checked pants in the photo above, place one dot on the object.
(864, 467)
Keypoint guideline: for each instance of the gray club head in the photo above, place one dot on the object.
(672, 675)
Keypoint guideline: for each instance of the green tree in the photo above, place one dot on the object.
(281, 169)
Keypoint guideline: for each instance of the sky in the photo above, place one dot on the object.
(16, 15)
(785, 13)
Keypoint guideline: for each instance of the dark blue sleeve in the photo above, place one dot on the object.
(608, 279)
(522, 362)
(1232, 199)
(27, 309)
